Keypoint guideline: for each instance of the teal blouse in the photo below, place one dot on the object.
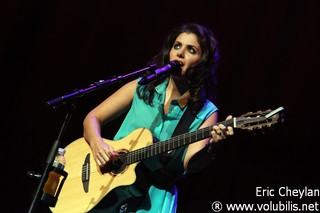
(162, 126)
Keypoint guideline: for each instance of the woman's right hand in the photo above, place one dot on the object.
(103, 152)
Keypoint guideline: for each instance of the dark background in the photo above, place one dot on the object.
(269, 58)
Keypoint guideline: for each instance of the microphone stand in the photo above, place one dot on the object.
(71, 100)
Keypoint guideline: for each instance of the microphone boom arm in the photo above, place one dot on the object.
(57, 102)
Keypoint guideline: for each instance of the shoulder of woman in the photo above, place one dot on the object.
(131, 84)
(210, 106)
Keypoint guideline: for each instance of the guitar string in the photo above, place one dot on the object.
(159, 147)
(180, 140)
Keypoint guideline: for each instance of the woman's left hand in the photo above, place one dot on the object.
(220, 132)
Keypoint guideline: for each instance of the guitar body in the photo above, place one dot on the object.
(77, 196)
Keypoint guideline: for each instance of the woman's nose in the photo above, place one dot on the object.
(180, 54)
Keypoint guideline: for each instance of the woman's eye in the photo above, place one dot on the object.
(176, 46)
(192, 50)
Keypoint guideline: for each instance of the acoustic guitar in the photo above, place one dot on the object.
(86, 183)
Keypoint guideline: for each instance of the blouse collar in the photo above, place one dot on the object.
(182, 100)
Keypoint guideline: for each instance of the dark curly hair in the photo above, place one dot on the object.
(202, 78)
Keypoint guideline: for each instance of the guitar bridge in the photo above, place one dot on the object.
(86, 173)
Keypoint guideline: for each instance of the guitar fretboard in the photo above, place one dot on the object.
(171, 144)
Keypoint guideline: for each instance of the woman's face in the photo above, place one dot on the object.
(186, 50)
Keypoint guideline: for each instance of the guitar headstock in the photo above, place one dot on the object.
(259, 119)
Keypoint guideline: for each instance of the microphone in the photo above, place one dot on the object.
(171, 67)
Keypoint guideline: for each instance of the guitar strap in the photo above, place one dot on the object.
(187, 116)
(182, 127)
(184, 123)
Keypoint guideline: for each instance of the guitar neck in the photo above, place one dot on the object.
(247, 121)
(172, 143)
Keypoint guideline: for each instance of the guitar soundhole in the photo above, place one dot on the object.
(115, 167)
